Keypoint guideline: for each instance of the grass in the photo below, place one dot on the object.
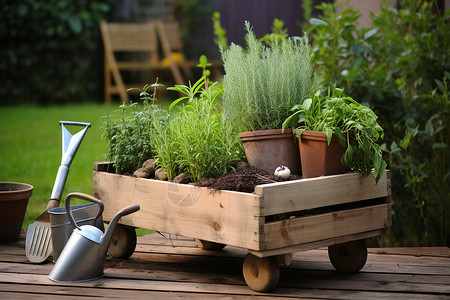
(31, 149)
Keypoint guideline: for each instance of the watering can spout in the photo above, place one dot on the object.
(106, 238)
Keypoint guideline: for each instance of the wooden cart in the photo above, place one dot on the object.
(278, 219)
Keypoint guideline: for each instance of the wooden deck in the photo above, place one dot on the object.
(176, 268)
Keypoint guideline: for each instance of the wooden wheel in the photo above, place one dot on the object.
(123, 242)
(261, 274)
(348, 257)
(207, 245)
(284, 260)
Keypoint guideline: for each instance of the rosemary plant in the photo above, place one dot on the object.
(262, 83)
(206, 144)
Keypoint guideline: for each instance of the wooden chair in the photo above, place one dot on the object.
(139, 39)
(171, 42)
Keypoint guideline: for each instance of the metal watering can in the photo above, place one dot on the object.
(83, 257)
(83, 214)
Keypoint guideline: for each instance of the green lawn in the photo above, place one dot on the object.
(31, 150)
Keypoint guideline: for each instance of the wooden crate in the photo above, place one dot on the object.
(278, 218)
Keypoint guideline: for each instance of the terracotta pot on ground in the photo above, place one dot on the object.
(269, 149)
(13, 204)
(319, 159)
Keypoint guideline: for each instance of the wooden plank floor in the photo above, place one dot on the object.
(176, 268)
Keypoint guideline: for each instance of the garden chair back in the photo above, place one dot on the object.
(131, 47)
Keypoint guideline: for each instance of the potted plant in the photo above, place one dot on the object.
(261, 84)
(13, 204)
(346, 129)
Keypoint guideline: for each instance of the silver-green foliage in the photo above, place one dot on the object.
(262, 83)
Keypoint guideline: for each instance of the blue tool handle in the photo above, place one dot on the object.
(74, 123)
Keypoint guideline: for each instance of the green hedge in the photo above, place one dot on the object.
(400, 67)
(51, 50)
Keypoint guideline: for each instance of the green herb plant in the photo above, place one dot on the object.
(128, 132)
(262, 83)
(165, 148)
(196, 139)
(336, 114)
(207, 145)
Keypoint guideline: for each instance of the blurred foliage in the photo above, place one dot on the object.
(51, 50)
(400, 68)
(220, 33)
(194, 17)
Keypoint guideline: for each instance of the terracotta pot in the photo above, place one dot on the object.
(269, 149)
(13, 204)
(319, 159)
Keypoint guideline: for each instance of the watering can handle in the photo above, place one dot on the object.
(84, 197)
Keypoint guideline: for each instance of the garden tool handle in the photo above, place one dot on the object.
(83, 197)
(75, 123)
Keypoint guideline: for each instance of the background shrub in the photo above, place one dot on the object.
(51, 50)
(399, 67)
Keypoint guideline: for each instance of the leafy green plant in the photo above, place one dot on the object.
(307, 8)
(427, 177)
(165, 147)
(336, 114)
(128, 134)
(278, 33)
(396, 67)
(262, 83)
(206, 144)
(220, 33)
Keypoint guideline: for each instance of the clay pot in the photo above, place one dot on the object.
(13, 204)
(318, 158)
(269, 149)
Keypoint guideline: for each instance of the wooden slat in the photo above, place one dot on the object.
(318, 244)
(140, 66)
(415, 251)
(111, 69)
(335, 287)
(157, 270)
(319, 192)
(132, 37)
(172, 31)
(26, 291)
(324, 226)
(167, 48)
(181, 209)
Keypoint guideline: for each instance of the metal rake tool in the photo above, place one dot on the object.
(38, 245)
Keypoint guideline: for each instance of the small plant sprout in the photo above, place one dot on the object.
(203, 63)
(282, 173)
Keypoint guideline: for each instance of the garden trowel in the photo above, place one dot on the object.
(38, 246)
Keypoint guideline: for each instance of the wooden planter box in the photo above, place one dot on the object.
(278, 218)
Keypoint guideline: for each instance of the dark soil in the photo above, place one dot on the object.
(243, 180)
